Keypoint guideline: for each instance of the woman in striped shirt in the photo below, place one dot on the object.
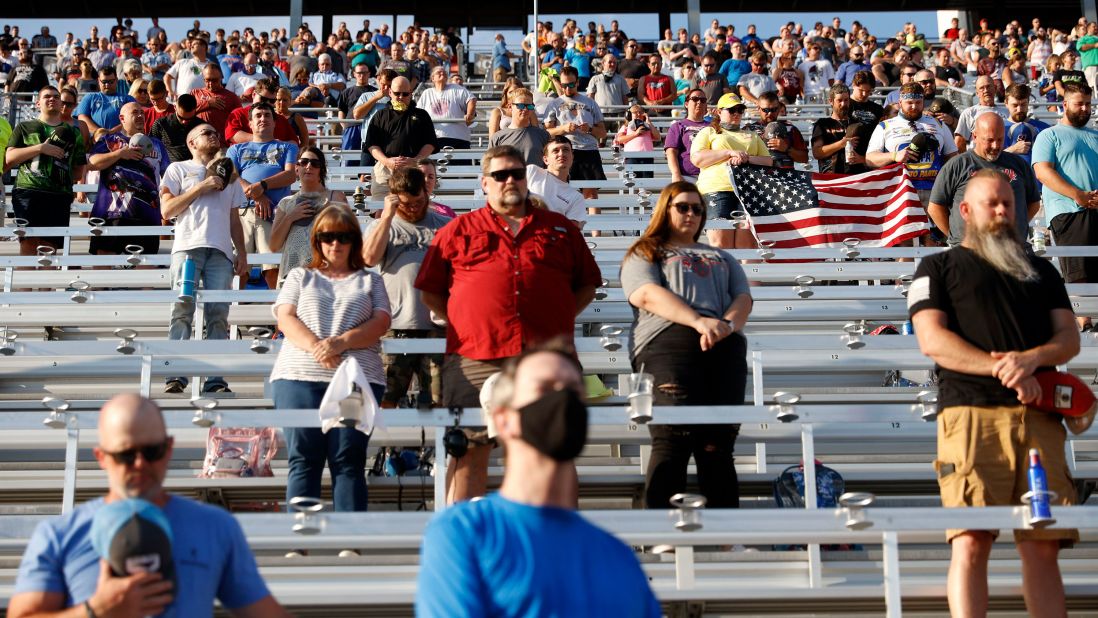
(329, 309)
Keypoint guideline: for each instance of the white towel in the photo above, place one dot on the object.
(348, 374)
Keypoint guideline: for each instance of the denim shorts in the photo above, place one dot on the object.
(721, 204)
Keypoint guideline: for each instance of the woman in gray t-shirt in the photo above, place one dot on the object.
(690, 304)
(293, 222)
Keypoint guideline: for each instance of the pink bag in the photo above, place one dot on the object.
(239, 452)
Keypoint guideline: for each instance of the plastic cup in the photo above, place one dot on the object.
(639, 393)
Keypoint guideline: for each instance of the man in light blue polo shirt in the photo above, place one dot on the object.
(61, 569)
(1065, 159)
(97, 109)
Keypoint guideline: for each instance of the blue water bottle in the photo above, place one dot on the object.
(1040, 514)
(187, 280)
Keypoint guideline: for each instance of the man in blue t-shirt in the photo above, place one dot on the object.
(60, 568)
(737, 65)
(1065, 159)
(1020, 130)
(525, 551)
(99, 110)
(266, 167)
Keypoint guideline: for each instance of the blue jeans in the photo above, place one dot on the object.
(213, 271)
(307, 448)
(721, 204)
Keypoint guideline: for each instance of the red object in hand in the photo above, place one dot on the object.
(1063, 393)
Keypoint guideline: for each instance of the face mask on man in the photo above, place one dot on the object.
(555, 424)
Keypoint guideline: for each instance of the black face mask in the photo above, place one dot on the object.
(556, 424)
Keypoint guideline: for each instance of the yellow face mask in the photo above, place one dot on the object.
(400, 106)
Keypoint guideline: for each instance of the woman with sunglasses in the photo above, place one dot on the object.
(329, 309)
(686, 83)
(139, 90)
(691, 303)
(293, 222)
(500, 116)
(713, 149)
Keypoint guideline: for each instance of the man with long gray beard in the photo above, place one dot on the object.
(990, 314)
(1065, 159)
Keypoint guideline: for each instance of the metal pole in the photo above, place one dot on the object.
(296, 9)
(534, 56)
(440, 470)
(890, 545)
(808, 453)
(72, 448)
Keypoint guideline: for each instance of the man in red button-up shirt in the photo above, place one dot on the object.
(504, 277)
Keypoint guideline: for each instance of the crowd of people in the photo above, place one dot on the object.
(209, 132)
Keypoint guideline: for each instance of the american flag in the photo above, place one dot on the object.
(803, 209)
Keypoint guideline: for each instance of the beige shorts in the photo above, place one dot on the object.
(983, 460)
(379, 182)
(257, 234)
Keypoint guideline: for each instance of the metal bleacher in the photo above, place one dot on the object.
(58, 320)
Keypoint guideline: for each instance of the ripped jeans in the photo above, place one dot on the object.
(684, 375)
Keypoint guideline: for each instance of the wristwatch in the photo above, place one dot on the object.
(263, 183)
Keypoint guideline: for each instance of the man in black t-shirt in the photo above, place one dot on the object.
(835, 139)
(172, 130)
(1068, 74)
(990, 314)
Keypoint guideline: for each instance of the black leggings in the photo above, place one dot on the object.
(684, 375)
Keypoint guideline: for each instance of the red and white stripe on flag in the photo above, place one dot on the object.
(801, 209)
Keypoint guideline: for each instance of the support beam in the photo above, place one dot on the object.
(296, 16)
(693, 16)
(1090, 9)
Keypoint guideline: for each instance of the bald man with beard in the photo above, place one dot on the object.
(62, 576)
(399, 135)
(986, 350)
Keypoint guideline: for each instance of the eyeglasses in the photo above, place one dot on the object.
(693, 207)
(770, 110)
(328, 238)
(696, 99)
(400, 95)
(151, 453)
(309, 162)
(926, 81)
(526, 106)
(501, 176)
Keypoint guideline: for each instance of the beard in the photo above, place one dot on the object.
(999, 245)
(1077, 119)
(513, 197)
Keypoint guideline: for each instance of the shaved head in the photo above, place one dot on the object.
(130, 419)
(400, 84)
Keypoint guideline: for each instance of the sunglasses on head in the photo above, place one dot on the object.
(328, 238)
(501, 176)
(151, 453)
(526, 106)
(693, 207)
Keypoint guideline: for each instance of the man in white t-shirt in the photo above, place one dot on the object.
(551, 183)
(985, 95)
(818, 73)
(445, 101)
(206, 231)
(186, 74)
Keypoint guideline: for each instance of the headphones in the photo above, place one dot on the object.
(454, 440)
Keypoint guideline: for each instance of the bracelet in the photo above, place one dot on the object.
(88, 609)
(263, 183)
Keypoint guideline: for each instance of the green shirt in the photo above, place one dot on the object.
(1090, 56)
(43, 173)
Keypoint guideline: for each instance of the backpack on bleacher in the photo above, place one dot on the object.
(239, 452)
(789, 487)
(789, 493)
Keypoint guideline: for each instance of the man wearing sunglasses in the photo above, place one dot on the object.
(850, 68)
(60, 567)
(579, 118)
(398, 135)
(504, 277)
(215, 102)
(525, 133)
(100, 109)
(172, 129)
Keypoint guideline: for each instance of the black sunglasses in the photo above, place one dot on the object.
(328, 238)
(770, 110)
(400, 94)
(501, 176)
(151, 453)
(308, 162)
(693, 207)
(568, 84)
